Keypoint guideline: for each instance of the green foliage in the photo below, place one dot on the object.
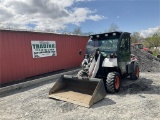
(155, 53)
(152, 41)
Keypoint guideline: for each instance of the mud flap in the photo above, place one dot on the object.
(81, 91)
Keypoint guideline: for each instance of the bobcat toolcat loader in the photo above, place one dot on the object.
(107, 60)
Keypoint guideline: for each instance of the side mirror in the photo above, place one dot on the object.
(80, 52)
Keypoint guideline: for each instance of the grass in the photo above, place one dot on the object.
(155, 52)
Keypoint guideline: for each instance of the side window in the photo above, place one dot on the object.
(125, 45)
(128, 44)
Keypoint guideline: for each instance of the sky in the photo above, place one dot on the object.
(90, 15)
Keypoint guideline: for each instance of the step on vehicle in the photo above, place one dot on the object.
(108, 59)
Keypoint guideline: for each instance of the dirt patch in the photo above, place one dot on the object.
(135, 87)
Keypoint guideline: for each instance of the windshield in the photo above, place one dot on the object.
(107, 46)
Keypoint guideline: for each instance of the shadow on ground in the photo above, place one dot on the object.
(103, 102)
(142, 85)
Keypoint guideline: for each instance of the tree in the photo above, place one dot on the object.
(113, 27)
(156, 40)
(148, 42)
(88, 33)
(135, 37)
(77, 31)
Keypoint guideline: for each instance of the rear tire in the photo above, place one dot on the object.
(113, 82)
(134, 71)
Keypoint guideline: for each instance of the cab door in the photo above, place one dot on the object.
(124, 53)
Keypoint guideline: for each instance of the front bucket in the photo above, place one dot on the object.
(84, 92)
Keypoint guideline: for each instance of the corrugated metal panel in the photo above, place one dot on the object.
(16, 54)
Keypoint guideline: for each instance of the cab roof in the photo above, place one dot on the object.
(108, 35)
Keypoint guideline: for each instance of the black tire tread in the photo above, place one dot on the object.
(110, 82)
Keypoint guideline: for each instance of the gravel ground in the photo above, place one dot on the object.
(136, 100)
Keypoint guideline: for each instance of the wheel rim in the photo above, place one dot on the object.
(117, 82)
(137, 72)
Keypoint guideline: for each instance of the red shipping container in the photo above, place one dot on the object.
(17, 62)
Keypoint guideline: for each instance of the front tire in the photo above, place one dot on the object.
(113, 82)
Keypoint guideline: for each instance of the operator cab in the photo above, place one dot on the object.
(113, 46)
(107, 43)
